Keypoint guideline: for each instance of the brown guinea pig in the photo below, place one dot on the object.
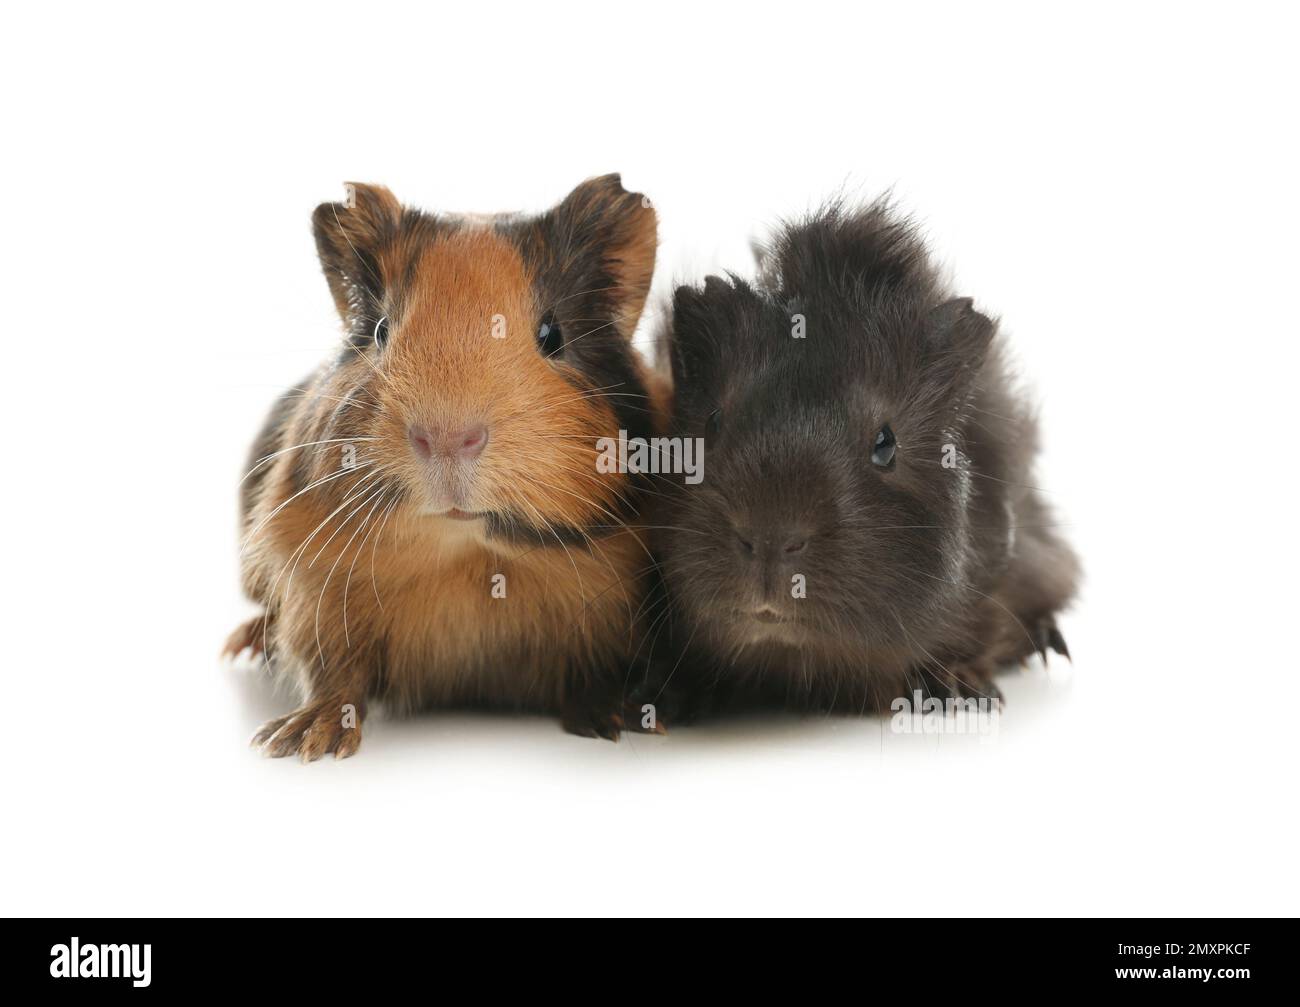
(425, 522)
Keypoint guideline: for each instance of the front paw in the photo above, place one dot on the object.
(606, 716)
(589, 717)
(250, 636)
(656, 704)
(642, 715)
(1047, 636)
(961, 680)
(330, 725)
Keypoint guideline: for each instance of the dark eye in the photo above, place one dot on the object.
(882, 453)
(381, 331)
(715, 421)
(550, 340)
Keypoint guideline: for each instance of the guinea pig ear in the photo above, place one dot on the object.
(349, 236)
(615, 231)
(701, 319)
(689, 342)
(958, 336)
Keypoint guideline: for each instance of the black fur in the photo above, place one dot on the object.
(918, 575)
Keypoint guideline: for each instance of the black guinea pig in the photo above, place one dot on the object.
(865, 525)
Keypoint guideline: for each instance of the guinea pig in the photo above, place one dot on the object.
(866, 523)
(424, 519)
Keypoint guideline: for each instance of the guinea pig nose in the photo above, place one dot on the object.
(463, 442)
(794, 545)
(746, 545)
(421, 440)
(468, 442)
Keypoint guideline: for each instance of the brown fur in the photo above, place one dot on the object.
(367, 595)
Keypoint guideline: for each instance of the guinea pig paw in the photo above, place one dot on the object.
(643, 717)
(673, 705)
(961, 681)
(250, 636)
(312, 731)
(1048, 637)
(589, 719)
(987, 689)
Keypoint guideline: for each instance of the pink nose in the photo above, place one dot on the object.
(466, 442)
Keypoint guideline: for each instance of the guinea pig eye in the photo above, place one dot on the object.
(381, 331)
(715, 421)
(550, 340)
(882, 453)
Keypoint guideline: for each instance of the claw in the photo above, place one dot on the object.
(1040, 640)
(592, 723)
(1057, 642)
(633, 717)
(267, 731)
(1046, 637)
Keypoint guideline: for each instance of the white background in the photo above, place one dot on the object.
(1117, 181)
